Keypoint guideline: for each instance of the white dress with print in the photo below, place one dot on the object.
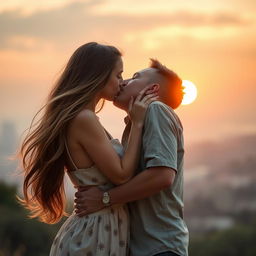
(104, 233)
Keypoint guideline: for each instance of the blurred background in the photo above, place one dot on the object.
(211, 43)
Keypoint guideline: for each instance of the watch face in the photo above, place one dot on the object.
(105, 198)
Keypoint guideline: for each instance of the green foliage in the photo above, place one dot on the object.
(7, 196)
(20, 235)
(237, 241)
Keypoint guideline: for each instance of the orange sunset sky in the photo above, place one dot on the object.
(209, 42)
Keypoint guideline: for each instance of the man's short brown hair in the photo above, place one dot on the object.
(174, 89)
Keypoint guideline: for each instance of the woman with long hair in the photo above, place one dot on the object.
(69, 138)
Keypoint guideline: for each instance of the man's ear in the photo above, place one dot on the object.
(153, 88)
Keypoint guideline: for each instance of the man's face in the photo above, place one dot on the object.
(131, 87)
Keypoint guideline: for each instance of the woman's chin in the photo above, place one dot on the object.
(116, 98)
(120, 104)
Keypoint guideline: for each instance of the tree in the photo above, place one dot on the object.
(237, 241)
(20, 235)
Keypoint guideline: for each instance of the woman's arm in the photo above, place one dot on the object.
(93, 139)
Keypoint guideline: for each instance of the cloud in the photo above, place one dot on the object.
(78, 21)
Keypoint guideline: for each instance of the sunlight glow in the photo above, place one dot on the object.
(190, 92)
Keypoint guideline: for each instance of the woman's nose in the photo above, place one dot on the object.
(124, 82)
(122, 85)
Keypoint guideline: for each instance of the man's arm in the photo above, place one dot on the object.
(145, 184)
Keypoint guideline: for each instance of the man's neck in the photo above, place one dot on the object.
(126, 131)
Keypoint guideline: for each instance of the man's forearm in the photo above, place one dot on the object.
(145, 184)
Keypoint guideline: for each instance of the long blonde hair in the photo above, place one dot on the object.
(43, 150)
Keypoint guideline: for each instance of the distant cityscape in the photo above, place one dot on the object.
(8, 150)
(10, 171)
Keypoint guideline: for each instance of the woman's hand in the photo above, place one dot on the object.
(138, 106)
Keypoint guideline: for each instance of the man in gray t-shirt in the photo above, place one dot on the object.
(155, 194)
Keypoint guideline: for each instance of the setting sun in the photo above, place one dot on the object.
(190, 92)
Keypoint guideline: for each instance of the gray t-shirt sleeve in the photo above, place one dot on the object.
(159, 137)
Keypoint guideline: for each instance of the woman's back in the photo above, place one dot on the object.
(78, 156)
(82, 170)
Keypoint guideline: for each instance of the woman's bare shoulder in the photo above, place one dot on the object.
(85, 119)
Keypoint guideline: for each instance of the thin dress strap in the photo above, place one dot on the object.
(108, 134)
(69, 155)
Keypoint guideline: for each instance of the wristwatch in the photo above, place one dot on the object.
(106, 199)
